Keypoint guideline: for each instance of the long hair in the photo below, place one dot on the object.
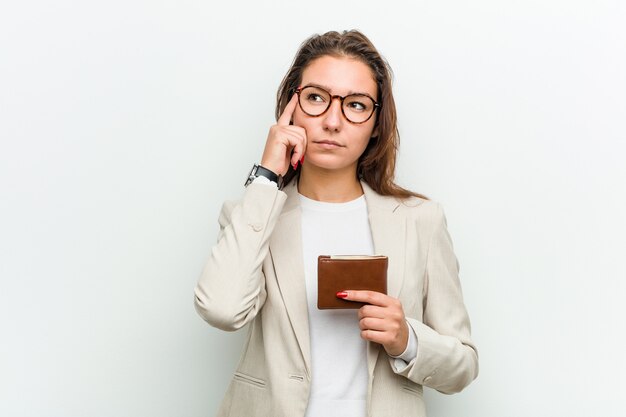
(377, 164)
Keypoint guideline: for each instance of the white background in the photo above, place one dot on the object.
(125, 124)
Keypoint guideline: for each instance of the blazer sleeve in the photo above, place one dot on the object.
(231, 289)
(447, 359)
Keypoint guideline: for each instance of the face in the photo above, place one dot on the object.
(334, 143)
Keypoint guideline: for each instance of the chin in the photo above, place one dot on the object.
(329, 163)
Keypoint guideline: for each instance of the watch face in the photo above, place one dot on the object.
(251, 175)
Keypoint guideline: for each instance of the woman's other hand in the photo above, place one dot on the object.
(381, 320)
(286, 144)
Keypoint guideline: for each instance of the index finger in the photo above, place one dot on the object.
(285, 118)
(369, 297)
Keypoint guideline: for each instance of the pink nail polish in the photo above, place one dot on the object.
(342, 294)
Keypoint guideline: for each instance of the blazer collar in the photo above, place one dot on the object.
(286, 253)
(374, 200)
(388, 233)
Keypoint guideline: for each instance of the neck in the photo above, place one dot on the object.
(330, 186)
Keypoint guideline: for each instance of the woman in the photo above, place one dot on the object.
(325, 186)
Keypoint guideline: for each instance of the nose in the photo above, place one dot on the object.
(332, 116)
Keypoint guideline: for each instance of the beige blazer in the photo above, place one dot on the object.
(255, 275)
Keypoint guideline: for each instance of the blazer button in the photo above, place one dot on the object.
(429, 377)
(257, 227)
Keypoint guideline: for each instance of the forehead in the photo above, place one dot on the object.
(340, 75)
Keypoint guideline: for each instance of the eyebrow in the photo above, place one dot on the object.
(325, 87)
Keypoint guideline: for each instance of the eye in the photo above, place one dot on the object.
(357, 104)
(315, 98)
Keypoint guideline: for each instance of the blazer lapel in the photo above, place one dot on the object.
(286, 251)
(389, 236)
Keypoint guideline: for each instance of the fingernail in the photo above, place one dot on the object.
(342, 294)
(295, 166)
(302, 160)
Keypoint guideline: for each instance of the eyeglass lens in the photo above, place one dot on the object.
(357, 108)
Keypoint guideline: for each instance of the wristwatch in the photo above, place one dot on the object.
(259, 171)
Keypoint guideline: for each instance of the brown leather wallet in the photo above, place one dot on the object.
(349, 272)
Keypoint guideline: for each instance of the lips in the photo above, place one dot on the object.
(328, 143)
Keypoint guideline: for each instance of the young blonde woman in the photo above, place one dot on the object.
(325, 187)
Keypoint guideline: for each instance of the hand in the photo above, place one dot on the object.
(381, 320)
(282, 140)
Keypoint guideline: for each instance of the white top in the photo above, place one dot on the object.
(338, 354)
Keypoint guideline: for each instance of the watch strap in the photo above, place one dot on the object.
(264, 172)
(261, 171)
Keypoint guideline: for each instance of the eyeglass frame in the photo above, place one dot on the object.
(341, 99)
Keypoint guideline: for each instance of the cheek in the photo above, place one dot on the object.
(365, 137)
(368, 133)
(362, 142)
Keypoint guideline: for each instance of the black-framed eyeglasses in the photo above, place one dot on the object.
(356, 108)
